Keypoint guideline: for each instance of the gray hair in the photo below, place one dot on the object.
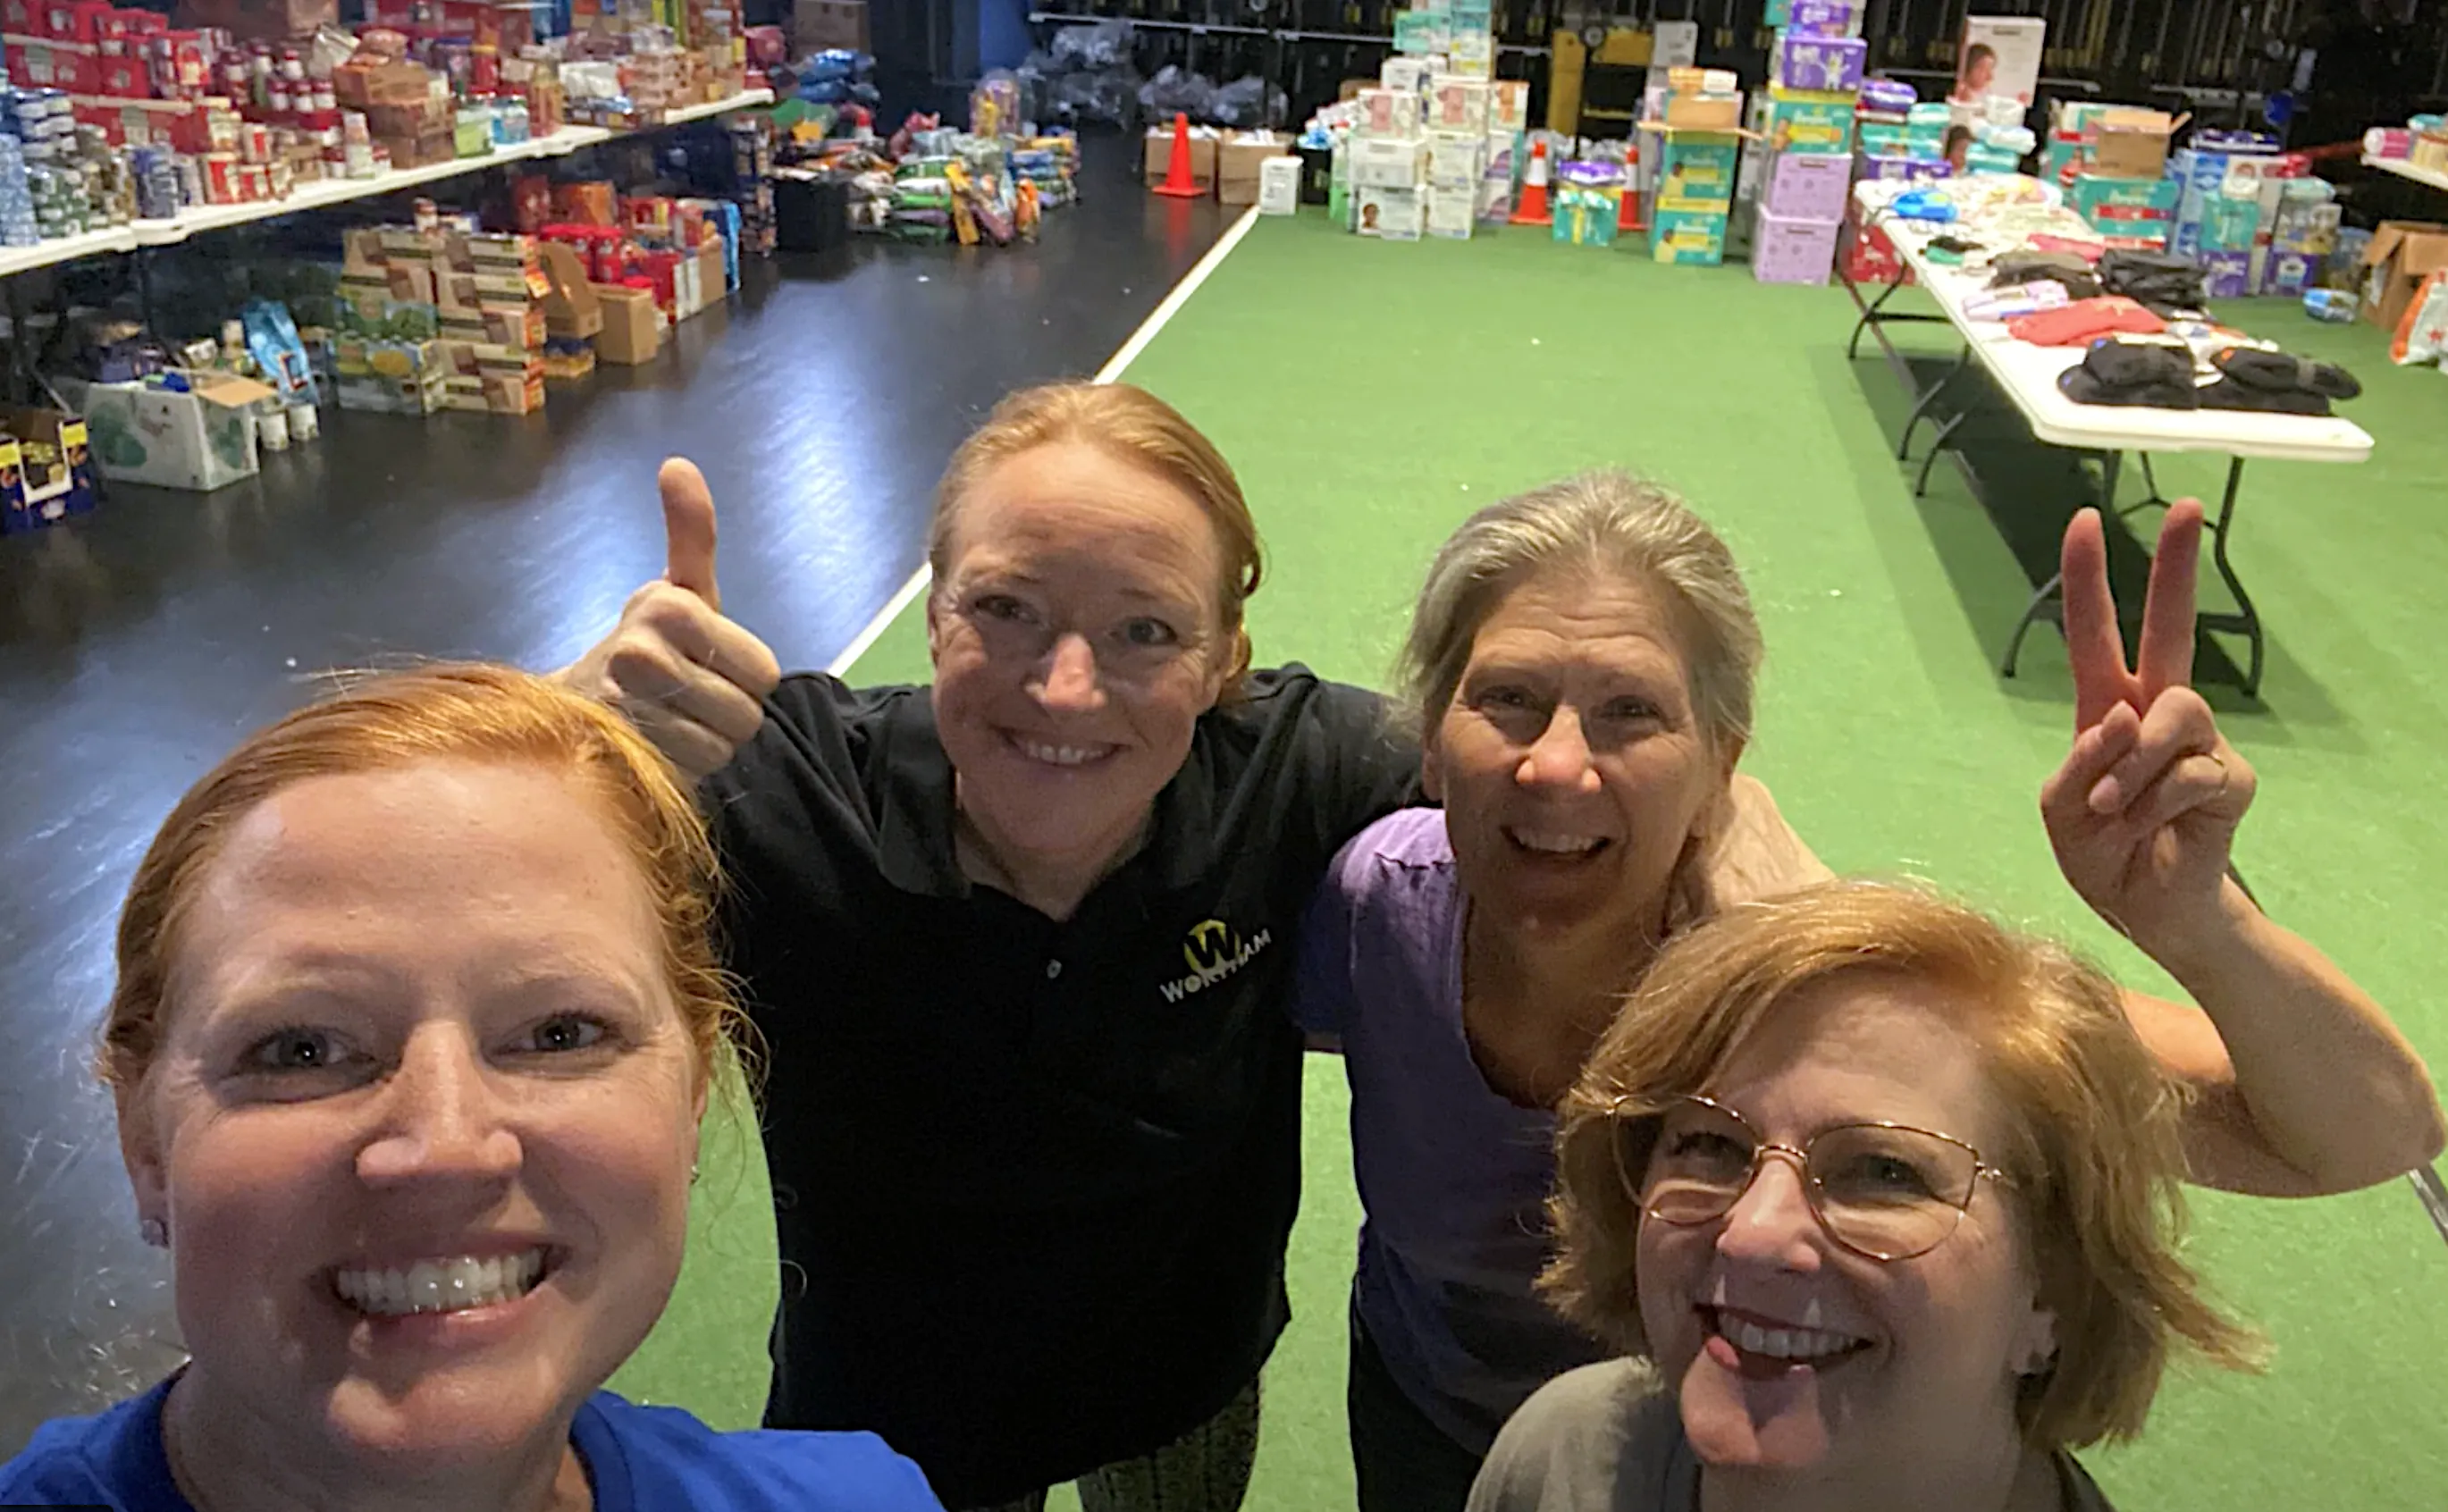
(1608, 522)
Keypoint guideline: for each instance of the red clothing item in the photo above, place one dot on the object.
(2085, 321)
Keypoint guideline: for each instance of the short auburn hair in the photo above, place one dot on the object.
(2095, 1160)
(1132, 426)
(470, 712)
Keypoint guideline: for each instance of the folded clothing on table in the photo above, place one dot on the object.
(2086, 320)
(2152, 373)
(2276, 382)
(2164, 284)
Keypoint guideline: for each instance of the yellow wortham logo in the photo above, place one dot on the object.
(1213, 950)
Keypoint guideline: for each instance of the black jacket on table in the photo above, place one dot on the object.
(1033, 1180)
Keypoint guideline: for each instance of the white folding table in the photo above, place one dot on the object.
(2028, 376)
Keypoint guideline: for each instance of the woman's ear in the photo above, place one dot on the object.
(140, 1150)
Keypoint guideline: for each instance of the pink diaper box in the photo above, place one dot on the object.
(1819, 63)
(1794, 251)
(1809, 185)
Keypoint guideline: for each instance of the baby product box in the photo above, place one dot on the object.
(1389, 214)
(1996, 56)
(1452, 214)
(1387, 162)
(200, 440)
(1801, 61)
(1456, 162)
(2227, 274)
(1808, 186)
(1279, 186)
(1695, 236)
(1696, 170)
(1807, 121)
(1792, 251)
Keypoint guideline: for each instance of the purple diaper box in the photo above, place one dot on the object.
(2227, 274)
(1905, 170)
(1791, 251)
(2290, 273)
(1820, 18)
(1809, 185)
(1819, 63)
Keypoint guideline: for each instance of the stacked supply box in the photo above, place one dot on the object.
(2119, 181)
(1456, 169)
(1798, 162)
(1386, 158)
(491, 298)
(1890, 142)
(1508, 152)
(1698, 165)
(2200, 169)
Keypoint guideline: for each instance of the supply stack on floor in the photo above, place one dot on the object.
(1800, 161)
(1695, 136)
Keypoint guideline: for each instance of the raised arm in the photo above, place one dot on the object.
(692, 681)
(2304, 1085)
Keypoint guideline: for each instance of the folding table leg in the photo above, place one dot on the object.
(1869, 316)
(2245, 621)
(1929, 397)
(1937, 445)
(2045, 603)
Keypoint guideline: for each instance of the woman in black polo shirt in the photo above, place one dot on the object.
(1020, 945)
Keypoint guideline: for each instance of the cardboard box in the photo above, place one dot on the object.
(1508, 104)
(1458, 105)
(2131, 143)
(1808, 186)
(1996, 56)
(1456, 162)
(633, 328)
(200, 440)
(1387, 162)
(1794, 251)
(1702, 112)
(1696, 172)
(2401, 254)
(37, 490)
(1390, 213)
(1389, 112)
(571, 311)
(1805, 120)
(1239, 161)
(1696, 237)
(823, 25)
(388, 377)
(1801, 61)
(1201, 146)
(1279, 186)
(1452, 214)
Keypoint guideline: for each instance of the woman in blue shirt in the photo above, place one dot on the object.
(415, 1020)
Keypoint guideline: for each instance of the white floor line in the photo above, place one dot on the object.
(1122, 359)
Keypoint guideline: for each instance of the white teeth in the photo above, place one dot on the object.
(450, 1285)
(1717, 1297)
(1061, 755)
(1556, 844)
(1785, 1344)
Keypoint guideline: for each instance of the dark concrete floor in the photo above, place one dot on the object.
(137, 646)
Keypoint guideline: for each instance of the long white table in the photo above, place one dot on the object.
(2403, 169)
(320, 193)
(2027, 376)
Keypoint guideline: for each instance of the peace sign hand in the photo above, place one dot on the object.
(2143, 813)
(692, 681)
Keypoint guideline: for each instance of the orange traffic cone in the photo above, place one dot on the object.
(1532, 209)
(1177, 173)
(1630, 219)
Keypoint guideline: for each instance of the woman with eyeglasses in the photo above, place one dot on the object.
(1876, 1203)
(1583, 658)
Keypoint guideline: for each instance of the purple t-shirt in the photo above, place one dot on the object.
(1453, 1177)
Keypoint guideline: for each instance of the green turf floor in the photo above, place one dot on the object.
(1371, 394)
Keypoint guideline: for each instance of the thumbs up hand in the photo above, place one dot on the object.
(692, 681)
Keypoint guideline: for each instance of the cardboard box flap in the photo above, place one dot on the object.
(230, 391)
(2139, 120)
(2395, 234)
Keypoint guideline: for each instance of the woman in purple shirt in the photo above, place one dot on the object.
(1583, 658)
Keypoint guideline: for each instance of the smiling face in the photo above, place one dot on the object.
(1571, 760)
(1875, 1358)
(423, 1115)
(1078, 634)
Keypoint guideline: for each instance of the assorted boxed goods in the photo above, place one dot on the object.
(45, 469)
(1797, 161)
(2421, 143)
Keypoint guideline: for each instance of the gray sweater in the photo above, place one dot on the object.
(1608, 1438)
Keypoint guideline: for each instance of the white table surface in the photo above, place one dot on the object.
(2029, 376)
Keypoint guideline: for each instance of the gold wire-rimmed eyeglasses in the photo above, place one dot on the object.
(1884, 1191)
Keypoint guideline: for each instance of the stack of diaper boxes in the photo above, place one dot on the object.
(1799, 159)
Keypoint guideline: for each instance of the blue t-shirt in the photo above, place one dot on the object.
(1453, 1177)
(639, 1458)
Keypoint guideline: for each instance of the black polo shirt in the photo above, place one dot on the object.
(1038, 1177)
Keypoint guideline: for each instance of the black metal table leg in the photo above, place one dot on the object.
(1869, 316)
(2046, 603)
(1929, 397)
(2244, 620)
(1937, 445)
